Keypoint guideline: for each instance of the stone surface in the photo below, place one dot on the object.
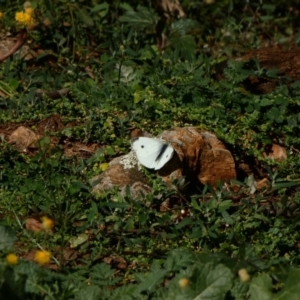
(23, 138)
(199, 156)
(202, 156)
(122, 172)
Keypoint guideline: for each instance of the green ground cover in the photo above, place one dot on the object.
(241, 244)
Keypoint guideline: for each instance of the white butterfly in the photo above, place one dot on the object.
(152, 153)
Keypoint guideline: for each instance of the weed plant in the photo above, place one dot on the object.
(220, 243)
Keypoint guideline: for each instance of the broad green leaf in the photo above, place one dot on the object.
(13, 83)
(291, 289)
(185, 42)
(265, 102)
(261, 287)
(273, 113)
(151, 281)
(143, 17)
(79, 240)
(227, 217)
(272, 73)
(99, 7)
(7, 238)
(225, 204)
(184, 222)
(239, 290)
(126, 6)
(88, 292)
(205, 281)
(212, 282)
(184, 25)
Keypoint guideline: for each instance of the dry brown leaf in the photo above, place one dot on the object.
(20, 41)
(276, 152)
(34, 225)
(261, 184)
(172, 7)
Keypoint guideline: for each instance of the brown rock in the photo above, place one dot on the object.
(286, 63)
(199, 156)
(202, 156)
(122, 172)
(23, 138)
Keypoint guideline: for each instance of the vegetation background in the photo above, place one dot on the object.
(88, 72)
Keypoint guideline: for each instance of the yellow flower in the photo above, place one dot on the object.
(42, 257)
(1, 15)
(244, 275)
(29, 11)
(12, 259)
(183, 282)
(104, 166)
(47, 223)
(24, 18)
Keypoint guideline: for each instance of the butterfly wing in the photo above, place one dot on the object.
(165, 156)
(152, 153)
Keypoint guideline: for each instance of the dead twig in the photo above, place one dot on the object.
(53, 95)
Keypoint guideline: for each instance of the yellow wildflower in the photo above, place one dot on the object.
(42, 257)
(244, 275)
(104, 166)
(12, 259)
(47, 223)
(1, 15)
(24, 18)
(29, 11)
(183, 282)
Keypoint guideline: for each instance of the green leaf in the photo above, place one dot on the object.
(280, 185)
(78, 240)
(266, 18)
(126, 6)
(110, 150)
(184, 222)
(85, 17)
(272, 73)
(7, 238)
(88, 292)
(225, 204)
(99, 7)
(178, 259)
(261, 287)
(266, 102)
(227, 217)
(207, 282)
(273, 113)
(13, 83)
(261, 217)
(142, 18)
(152, 281)
(186, 42)
(291, 290)
(184, 25)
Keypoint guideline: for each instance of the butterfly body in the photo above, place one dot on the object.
(152, 153)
